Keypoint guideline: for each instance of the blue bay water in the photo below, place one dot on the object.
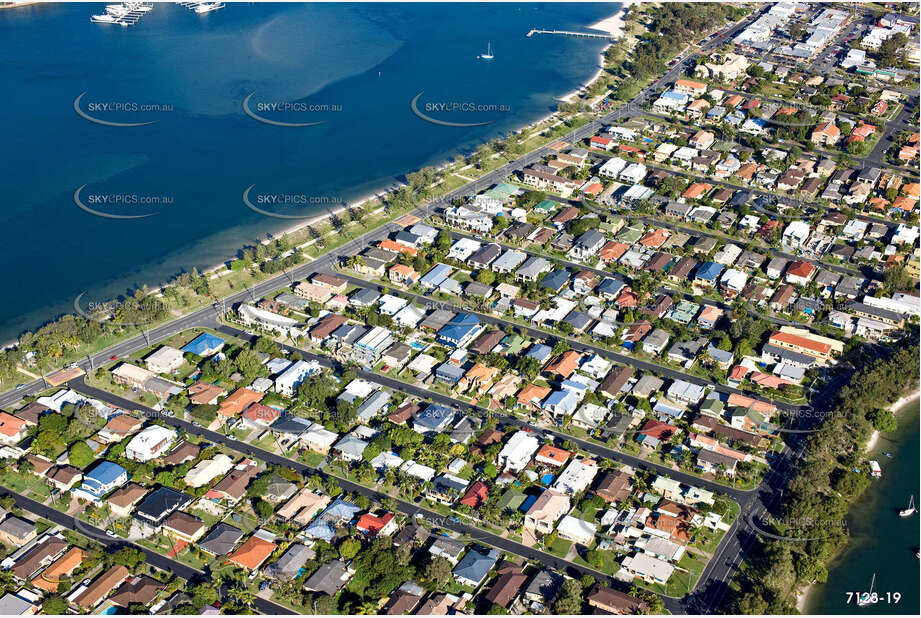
(370, 59)
(881, 542)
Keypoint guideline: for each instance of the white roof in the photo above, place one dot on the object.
(577, 476)
(648, 565)
(391, 304)
(208, 469)
(410, 315)
(266, 317)
(590, 415)
(423, 363)
(665, 484)
(576, 528)
(150, 438)
(166, 355)
(418, 470)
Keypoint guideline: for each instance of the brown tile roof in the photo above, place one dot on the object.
(141, 589)
(123, 423)
(102, 586)
(506, 588)
(203, 392)
(614, 486)
(234, 484)
(487, 341)
(31, 412)
(49, 579)
(181, 454)
(33, 559)
(616, 380)
(127, 495)
(184, 523)
(615, 601)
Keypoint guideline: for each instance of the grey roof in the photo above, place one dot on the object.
(555, 280)
(544, 584)
(364, 297)
(221, 540)
(373, 405)
(591, 238)
(647, 385)
(448, 546)
(476, 564)
(290, 562)
(465, 429)
(486, 254)
(160, 503)
(328, 578)
(12, 605)
(399, 351)
(475, 288)
(290, 424)
(789, 355)
(580, 321)
(17, 527)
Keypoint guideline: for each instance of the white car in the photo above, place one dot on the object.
(111, 534)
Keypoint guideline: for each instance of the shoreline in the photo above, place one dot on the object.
(616, 26)
(607, 24)
(802, 597)
(903, 401)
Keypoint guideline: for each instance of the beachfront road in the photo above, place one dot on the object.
(206, 317)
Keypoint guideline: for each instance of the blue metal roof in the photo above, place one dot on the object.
(555, 281)
(458, 328)
(709, 271)
(203, 344)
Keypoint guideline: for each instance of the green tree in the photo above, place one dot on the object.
(349, 548)
(80, 455)
(438, 570)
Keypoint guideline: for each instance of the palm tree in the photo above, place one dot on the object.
(242, 596)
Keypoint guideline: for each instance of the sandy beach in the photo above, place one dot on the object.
(613, 25)
(802, 597)
(895, 407)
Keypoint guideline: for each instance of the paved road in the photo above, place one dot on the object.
(434, 518)
(575, 344)
(207, 315)
(665, 289)
(588, 446)
(153, 558)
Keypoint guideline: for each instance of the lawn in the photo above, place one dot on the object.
(560, 547)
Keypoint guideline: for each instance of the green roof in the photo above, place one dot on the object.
(712, 405)
(546, 205)
(511, 499)
(502, 191)
(684, 311)
(630, 235)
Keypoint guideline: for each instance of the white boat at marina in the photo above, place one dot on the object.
(207, 7)
(866, 598)
(104, 19)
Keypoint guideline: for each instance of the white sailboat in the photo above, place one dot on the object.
(488, 55)
(865, 598)
(908, 512)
